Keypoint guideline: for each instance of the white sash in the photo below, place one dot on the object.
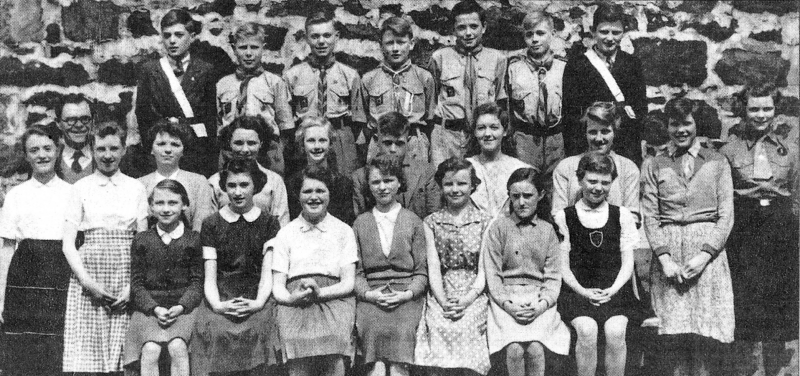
(177, 91)
(601, 67)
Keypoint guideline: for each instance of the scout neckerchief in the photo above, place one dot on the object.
(470, 76)
(401, 104)
(245, 77)
(322, 84)
(541, 66)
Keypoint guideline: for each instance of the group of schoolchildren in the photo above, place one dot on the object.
(484, 213)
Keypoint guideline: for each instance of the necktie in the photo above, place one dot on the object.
(76, 161)
(688, 166)
(178, 68)
(761, 167)
(322, 92)
(469, 86)
(541, 110)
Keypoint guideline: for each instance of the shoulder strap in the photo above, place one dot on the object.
(601, 67)
(177, 90)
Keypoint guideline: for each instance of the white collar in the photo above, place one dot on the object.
(694, 150)
(176, 233)
(113, 179)
(582, 206)
(306, 226)
(69, 151)
(230, 216)
(390, 215)
(160, 177)
(52, 183)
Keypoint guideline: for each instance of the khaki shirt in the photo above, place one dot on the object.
(266, 95)
(413, 96)
(343, 91)
(449, 67)
(523, 85)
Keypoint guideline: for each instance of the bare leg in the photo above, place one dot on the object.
(586, 345)
(179, 357)
(515, 360)
(616, 348)
(398, 369)
(149, 360)
(378, 369)
(534, 359)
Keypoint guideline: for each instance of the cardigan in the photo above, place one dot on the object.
(422, 195)
(407, 260)
(166, 275)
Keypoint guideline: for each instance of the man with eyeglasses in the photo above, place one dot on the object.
(421, 195)
(75, 119)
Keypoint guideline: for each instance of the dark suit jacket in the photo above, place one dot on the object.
(422, 195)
(583, 85)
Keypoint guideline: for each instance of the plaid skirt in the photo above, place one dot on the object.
(93, 335)
(324, 328)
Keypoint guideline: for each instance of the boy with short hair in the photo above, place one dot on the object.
(422, 195)
(400, 86)
(322, 86)
(534, 90)
(252, 91)
(466, 75)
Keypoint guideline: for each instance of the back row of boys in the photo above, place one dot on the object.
(438, 102)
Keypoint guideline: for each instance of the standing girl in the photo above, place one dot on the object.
(109, 207)
(234, 333)
(166, 284)
(523, 272)
(452, 334)
(33, 272)
(391, 276)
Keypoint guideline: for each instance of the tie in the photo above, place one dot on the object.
(541, 111)
(761, 167)
(688, 166)
(76, 163)
(469, 86)
(322, 92)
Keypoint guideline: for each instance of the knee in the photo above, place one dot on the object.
(151, 351)
(586, 331)
(515, 352)
(616, 331)
(534, 354)
(177, 348)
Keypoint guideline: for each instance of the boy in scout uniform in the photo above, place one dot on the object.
(534, 83)
(252, 91)
(466, 75)
(400, 86)
(321, 86)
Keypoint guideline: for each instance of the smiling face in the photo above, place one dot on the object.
(107, 152)
(396, 49)
(245, 143)
(682, 132)
(760, 113)
(76, 122)
(595, 187)
(176, 40)
(168, 150)
(314, 198)
(322, 38)
(457, 187)
(607, 37)
(240, 190)
(524, 198)
(248, 52)
(538, 38)
(489, 132)
(468, 30)
(316, 143)
(599, 136)
(167, 207)
(383, 187)
(40, 153)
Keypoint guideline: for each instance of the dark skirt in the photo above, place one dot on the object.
(35, 301)
(624, 303)
(221, 344)
(762, 249)
(324, 328)
(388, 335)
(145, 328)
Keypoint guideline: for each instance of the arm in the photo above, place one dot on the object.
(630, 190)
(560, 189)
(501, 95)
(193, 295)
(146, 111)
(724, 223)
(283, 111)
(419, 281)
(492, 252)
(566, 247)
(361, 286)
(639, 97)
(141, 299)
(629, 238)
(359, 203)
(433, 194)
(280, 204)
(435, 267)
(341, 289)
(6, 254)
(264, 283)
(650, 208)
(551, 286)
(210, 288)
(430, 100)
(204, 206)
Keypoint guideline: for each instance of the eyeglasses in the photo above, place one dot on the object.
(73, 121)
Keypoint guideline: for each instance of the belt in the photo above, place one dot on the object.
(458, 125)
(534, 129)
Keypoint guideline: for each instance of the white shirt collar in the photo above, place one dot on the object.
(52, 183)
(306, 226)
(113, 179)
(390, 216)
(230, 216)
(694, 150)
(176, 233)
(580, 205)
(160, 177)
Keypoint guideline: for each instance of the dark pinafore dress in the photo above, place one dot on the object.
(595, 261)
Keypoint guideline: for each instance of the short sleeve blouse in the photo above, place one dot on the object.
(302, 248)
(33, 210)
(458, 241)
(112, 203)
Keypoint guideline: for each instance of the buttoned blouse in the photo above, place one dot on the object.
(302, 248)
(33, 210)
(458, 240)
(385, 222)
(491, 194)
(624, 190)
(593, 218)
(669, 198)
(272, 199)
(111, 203)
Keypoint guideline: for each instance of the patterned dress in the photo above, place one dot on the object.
(456, 344)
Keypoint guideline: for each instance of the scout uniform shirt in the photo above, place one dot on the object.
(265, 94)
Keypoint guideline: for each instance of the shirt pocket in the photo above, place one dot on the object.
(452, 81)
(413, 101)
(379, 99)
(782, 168)
(520, 99)
(226, 108)
(484, 84)
(266, 100)
(339, 101)
(302, 97)
(742, 167)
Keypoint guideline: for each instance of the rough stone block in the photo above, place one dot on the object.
(46, 99)
(362, 64)
(504, 29)
(14, 73)
(89, 20)
(672, 62)
(76, 51)
(114, 72)
(274, 68)
(53, 33)
(223, 7)
(25, 20)
(298, 8)
(423, 49)
(779, 7)
(140, 24)
(697, 6)
(768, 36)
(434, 18)
(275, 37)
(657, 19)
(713, 30)
(740, 67)
(789, 106)
(359, 31)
